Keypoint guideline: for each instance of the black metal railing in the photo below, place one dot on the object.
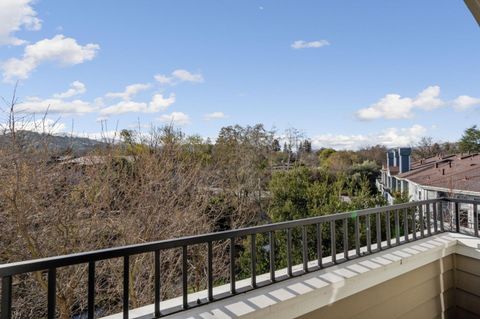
(407, 222)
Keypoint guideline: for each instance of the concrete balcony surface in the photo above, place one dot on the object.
(419, 275)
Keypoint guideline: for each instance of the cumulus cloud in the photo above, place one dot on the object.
(129, 92)
(464, 102)
(300, 44)
(59, 49)
(54, 105)
(393, 106)
(178, 76)
(161, 103)
(176, 118)
(76, 88)
(158, 103)
(214, 116)
(391, 137)
(16, 15)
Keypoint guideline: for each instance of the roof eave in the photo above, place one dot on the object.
(474, 6)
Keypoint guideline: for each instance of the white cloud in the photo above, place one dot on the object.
(214, 116)
(178, 76)
(124, 107)
(54, 105)
(158, 103)
(59, 49)
(76, 88)
(176, 118)
(393, 106)
(129, 91)
(14, 16)
(391, 137)
(163, 79)
(464, 102)
(429, 99)
(300, 44)
(185, 76)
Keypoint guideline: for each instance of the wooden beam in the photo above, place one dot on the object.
(474, 6)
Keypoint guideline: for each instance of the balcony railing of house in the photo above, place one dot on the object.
(394, 225)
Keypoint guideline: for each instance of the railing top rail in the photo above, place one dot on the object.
(117, 252)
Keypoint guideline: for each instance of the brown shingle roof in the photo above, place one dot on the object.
(452, 172)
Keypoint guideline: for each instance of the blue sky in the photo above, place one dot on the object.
(346, 73)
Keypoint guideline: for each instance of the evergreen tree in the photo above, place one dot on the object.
(470, 141)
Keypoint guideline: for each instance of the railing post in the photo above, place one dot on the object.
(157, 282)
(232, 266)
(253, 264)
(184, 277)
(379, 231)
(6, 297)
(126, 285)
(475, 219)
(388, 230)
(457, 217)
(91, 290)
(435, 217)
(397, 227)
(369, 233)
(345, 238)
(272, 256)
(357, 235)
(333, 244)
(405, 225)
(429, 225)
(319, 245)
(304, 249)
(210, 270)
(414, 222)
(422, 221)
(440, 211)
(289, 252)
(52, 293)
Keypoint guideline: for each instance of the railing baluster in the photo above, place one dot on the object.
(157, 283)
(422, 221)
(442, 226)
(304, 249)
(271, 236)
(369, 233)
(397, 227)
(233, 289)
(210, 271)
(435, 217)
(388, 230)
(357, 235)
(457, 218)
(184, 277)
(429, 225)
(52, 293)
(91, 290)
(405, 225)
(126, 285)
(475, 219)
(319, 245)
(6, 297)
(345, 238)
(379, 231)
(414, 222)
(289, 252)
(253, 265)
(333, 248)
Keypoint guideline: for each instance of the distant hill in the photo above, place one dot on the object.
(58, 144)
